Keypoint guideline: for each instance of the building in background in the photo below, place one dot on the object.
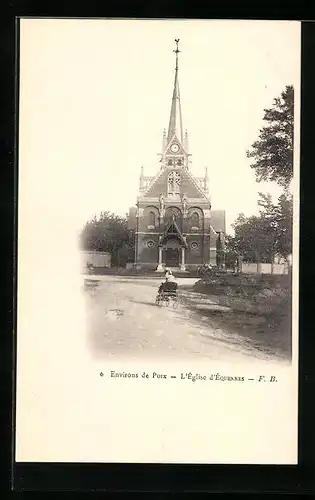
(173, 220)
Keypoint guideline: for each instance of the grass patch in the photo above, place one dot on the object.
(260, 308)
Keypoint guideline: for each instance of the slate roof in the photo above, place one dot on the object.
(188, 185)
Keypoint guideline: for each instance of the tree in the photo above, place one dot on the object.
(253, 239)
(231, 251)
(259, 238)
(272, 153)
(284, 218)
(108, 233)
(280, 220)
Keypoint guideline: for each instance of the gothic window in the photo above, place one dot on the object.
(173, 183)
(151, 220)
(195, 223)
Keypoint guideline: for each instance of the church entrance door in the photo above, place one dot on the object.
(172, 252)
(172, 257)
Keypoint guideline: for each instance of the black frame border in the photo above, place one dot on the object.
(173, 478)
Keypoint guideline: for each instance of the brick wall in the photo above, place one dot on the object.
(146, 253)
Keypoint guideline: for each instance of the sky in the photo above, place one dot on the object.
(95, 96)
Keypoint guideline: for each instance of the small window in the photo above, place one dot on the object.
(170, 162)
(150, 244)
(195, 221)
(179, 162)
(194, 245)
(151, 220)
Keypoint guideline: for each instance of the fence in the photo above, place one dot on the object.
(96, 259)
(265, 268)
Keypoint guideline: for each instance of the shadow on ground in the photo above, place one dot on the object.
(269, 333)
(144, 302)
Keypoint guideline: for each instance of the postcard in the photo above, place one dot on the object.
(158, 241)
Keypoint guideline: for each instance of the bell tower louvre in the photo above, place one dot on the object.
(173, 221)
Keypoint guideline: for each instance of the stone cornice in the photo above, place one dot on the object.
(173, 202)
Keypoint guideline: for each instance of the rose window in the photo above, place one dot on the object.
(194, 245)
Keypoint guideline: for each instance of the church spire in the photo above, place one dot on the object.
(175, 123)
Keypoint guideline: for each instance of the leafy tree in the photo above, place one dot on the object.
(280, 220)
(253, 239)
(231, 251)
(259, 238)
(272, 153)
(108, 233)
(284, 218)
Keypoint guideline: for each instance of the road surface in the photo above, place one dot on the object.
(123, 320)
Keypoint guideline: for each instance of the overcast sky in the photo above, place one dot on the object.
(96, 95)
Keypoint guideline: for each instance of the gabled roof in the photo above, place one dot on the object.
(173, 230)
(188, 185)
(174, 139)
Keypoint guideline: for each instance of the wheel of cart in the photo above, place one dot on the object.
(171, 299)
(158, 300)
(175, 302)
(167, 295)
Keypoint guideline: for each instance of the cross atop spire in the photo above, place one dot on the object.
(176, 52)
(175, 123)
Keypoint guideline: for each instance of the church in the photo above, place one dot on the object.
(173, 221)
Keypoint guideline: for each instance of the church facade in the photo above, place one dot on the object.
(173, 221)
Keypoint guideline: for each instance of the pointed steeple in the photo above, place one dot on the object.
(175, 123)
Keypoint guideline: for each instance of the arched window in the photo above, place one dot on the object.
(173, 214)
(195, 220)
(151, 220)
(173, 184)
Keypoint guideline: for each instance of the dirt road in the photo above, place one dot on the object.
(123, 320)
